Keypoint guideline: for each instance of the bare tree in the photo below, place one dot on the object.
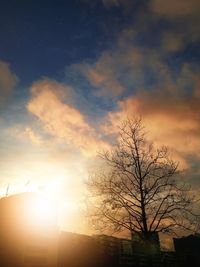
(138, 188)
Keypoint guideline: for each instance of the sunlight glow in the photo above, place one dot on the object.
(40, 212)
(43, 211)
(57, 194)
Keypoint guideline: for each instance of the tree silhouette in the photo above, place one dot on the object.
(138, 188)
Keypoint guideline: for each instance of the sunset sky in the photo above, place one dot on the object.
(71, 70)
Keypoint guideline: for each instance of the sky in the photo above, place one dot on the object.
(70, 71)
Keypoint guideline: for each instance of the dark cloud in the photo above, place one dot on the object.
(8, 81)
(174, 9)
(185, 20)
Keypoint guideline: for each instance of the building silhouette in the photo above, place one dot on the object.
(146, 251)
(29, 239)
(118, 251)
(188, 250)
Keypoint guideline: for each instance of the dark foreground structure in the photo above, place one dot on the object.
(188, 250)
(106, 251)
(29, 239)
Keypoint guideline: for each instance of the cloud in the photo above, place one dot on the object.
(173, 41)
(24, 133)
(62, 120)
(126, 68)
(177, 8)
(135, 61)
(184, 15)
(8, 81)
(35, 138)
(172, 117)
(137, 74)
(179, 37)
(146, 84)
(102, 75)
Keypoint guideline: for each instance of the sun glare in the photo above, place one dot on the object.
(43, 211)
(51, 200)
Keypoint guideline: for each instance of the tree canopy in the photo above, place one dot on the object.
(139, 188)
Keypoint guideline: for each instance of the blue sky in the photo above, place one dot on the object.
(41, 38)
(70, 71)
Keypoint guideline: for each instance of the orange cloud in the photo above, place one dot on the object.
(62, 120)
(172, 118)
(175, 8)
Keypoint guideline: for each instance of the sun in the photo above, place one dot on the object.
(51, 201)
(42, 211)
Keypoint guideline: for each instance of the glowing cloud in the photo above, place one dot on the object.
(173, 122)
(62, 120)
